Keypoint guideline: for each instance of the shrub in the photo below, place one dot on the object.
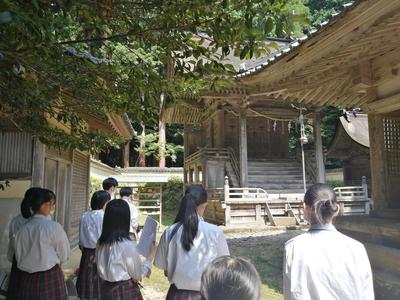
(335, 183)
(172, 194)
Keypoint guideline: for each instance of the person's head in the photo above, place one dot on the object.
(320, 205)
(230, 277)
(116, 222)
(110, 184)
(99, 199)
(126, 192)
(42, 202)
(26, 202)
(193, 205)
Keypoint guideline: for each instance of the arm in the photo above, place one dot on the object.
(160, 260)
(286, 276)
(134, 218)
(222, 245)
(62, 246)
(135, 267)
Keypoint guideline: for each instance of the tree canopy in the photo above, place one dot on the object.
(71, 59)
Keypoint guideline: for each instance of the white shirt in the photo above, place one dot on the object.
(16, 223)
(325, 264)
(90, 227)
(134, 216)
(41, 244)
(184, 268)
(120, 261)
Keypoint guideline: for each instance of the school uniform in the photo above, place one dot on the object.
(133, 222)
(184, 268)
(41, 245)
(121, 268)
(13, 284)
(326, 264)
(88, 283)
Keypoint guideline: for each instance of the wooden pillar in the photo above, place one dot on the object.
(125, 155)
(220, 123)
(39, 154)
(319, 153)
(227, 203)
(377, 154)
(243, 147)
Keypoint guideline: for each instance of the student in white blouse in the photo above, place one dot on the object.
(88, 283)
(16, 223)
(126, 195)
(189, 245)
(41, 245)
(110, 185)
(118, 261)
(323, 263)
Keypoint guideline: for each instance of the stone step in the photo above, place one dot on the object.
(273, 172)
(266, 182)
(386, 258)
(266, 166)
(285, 221)
(272, 177)
(386, 284)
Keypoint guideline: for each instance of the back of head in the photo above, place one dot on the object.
(230, 277)
(195, 195)
(34, 200)
(321, 198)
(126, 192)
(116, 222)
(32, 193)
(109, 182)
(99, 199)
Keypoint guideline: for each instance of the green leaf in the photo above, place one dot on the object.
(269, 25)
(5, 17)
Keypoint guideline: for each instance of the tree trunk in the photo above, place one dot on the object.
(161, 136)
(142, 157)
(125, 154)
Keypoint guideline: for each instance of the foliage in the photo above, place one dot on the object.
(172, 194)
(96, 184)
(71, 61)
(335, 183)
(322, 10)
(4, 184)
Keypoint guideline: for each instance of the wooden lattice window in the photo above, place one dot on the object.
(391, 129)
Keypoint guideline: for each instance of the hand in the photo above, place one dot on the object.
(152, 251)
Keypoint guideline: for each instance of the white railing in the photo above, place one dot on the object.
(354, 200)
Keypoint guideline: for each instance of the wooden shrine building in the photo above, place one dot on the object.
(351, 144)
(352, 60)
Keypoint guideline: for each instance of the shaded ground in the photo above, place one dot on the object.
(264, 249)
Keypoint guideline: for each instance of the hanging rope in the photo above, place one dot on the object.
(270, 118)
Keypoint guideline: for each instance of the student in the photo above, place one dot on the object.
(110, 185)
(230, 277)
(118, 262)
(126, 194)
(324, 263)
(88, 283)
(16, 223)
(189, 245)
(41, 245)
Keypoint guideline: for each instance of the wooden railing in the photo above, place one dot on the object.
(354, 200)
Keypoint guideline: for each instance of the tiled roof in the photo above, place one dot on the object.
(297, 43)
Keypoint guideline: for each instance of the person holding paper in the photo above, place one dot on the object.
(118, 261)
(189, 245)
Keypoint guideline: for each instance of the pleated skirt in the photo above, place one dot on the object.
(175, 294)
(121, 290)
(88, 283)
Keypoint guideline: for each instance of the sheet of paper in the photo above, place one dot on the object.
(147, 237)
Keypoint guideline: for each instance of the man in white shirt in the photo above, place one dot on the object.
(126, 194)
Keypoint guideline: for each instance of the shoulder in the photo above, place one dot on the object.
(349, 242)
(210, 228)
(298, 240)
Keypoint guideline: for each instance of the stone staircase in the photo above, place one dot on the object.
(278, 176)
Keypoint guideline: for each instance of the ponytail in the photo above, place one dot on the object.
(195, 195)
(321, 198)
(26, 204)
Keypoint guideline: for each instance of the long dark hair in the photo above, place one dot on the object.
(116, 222)
(321, 198)
(195, 195)
(30, 194)
(99, 199)
(34, 201)
(230, 277)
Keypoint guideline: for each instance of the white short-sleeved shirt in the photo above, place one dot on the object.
(184, 268)
(90, 227)
(41, 244)
(326, 264)
(16, 223)
(120, 261)
(134, 217)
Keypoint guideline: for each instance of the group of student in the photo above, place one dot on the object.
(319, 264)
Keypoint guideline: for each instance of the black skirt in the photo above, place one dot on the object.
(175, 294)
(13, 284)
(88, 283)
(121, 290)
(46, 285)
